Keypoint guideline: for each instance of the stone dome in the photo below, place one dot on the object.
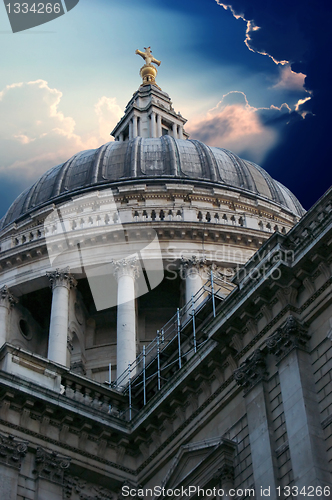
(151, 159)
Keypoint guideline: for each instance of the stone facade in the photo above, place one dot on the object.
(251, 411)
(232, 394)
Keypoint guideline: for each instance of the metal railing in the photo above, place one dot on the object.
(175, 341)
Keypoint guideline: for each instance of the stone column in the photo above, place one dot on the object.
(130, 129)
(61, 282)
(7, 300)
(135, 132)
(251, 376)
(159, 128)
(121, 137)
(175, 133)
(191, 270)
(180, 132)
(126, 271)
(305, 434)
(153, 124)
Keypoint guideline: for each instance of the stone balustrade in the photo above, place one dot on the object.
(105, 220)
(38, 372)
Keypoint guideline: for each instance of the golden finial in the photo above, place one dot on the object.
(148, 72)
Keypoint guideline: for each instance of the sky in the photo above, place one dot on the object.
(252, 76)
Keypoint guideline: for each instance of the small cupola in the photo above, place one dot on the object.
(149, 113)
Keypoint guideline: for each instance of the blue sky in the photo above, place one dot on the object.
(64, 84)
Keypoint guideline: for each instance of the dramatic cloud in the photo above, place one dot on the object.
(289, 80)
(286, 41)
(234, 124)
(297, 34)
(37, 135)
(109, 113)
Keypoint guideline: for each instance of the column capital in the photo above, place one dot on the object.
(291, 335)
(252, 371)
(12, 450)
(61, 277)
(6, 298)
(50, 465)
(126, 267)
(192, 264)
(226, 473)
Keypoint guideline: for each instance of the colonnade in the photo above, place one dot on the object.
(154, 125)
(126, 271)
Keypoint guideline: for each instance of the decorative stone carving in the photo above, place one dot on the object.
(6, 298)
(61, 277)
(50, 465)
(287, 296)
(191, 265)
(309, 285)
(226, 473)
(227, 452)
(291, 335)
(12, 451)
(77, 489)
(126, 267)
(252, 371)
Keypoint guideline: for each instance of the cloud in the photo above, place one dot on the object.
(108, 112)
(36, 134)
(285, 42)
(297, 34)
(236, 125)
(289, 80)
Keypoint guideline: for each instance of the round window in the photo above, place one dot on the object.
(25, 329)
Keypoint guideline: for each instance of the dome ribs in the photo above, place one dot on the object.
(300, 210)
(104, 161)
(274, 189)
(27, 205)
(128, 157)
(135, 157)
(172, 167)
(96, 166)
(246, 180)
(142, 158)
(178, 158)
(57, 189)
(203, 157)
(15, 210)
(38, 195)
(212, 165)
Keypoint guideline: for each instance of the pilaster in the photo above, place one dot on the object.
(305, 434)
(50, 469)
(12, 453)
(252, 375)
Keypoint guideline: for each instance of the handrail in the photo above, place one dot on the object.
(214, 287)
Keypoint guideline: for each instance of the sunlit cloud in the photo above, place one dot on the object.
(37, 134)
(236, 125)
(108, 111)
(300, 107)
(251, 28)
(289, 80)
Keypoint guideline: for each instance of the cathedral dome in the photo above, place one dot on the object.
(143, 159)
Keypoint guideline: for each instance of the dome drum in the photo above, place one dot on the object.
(117, 222)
